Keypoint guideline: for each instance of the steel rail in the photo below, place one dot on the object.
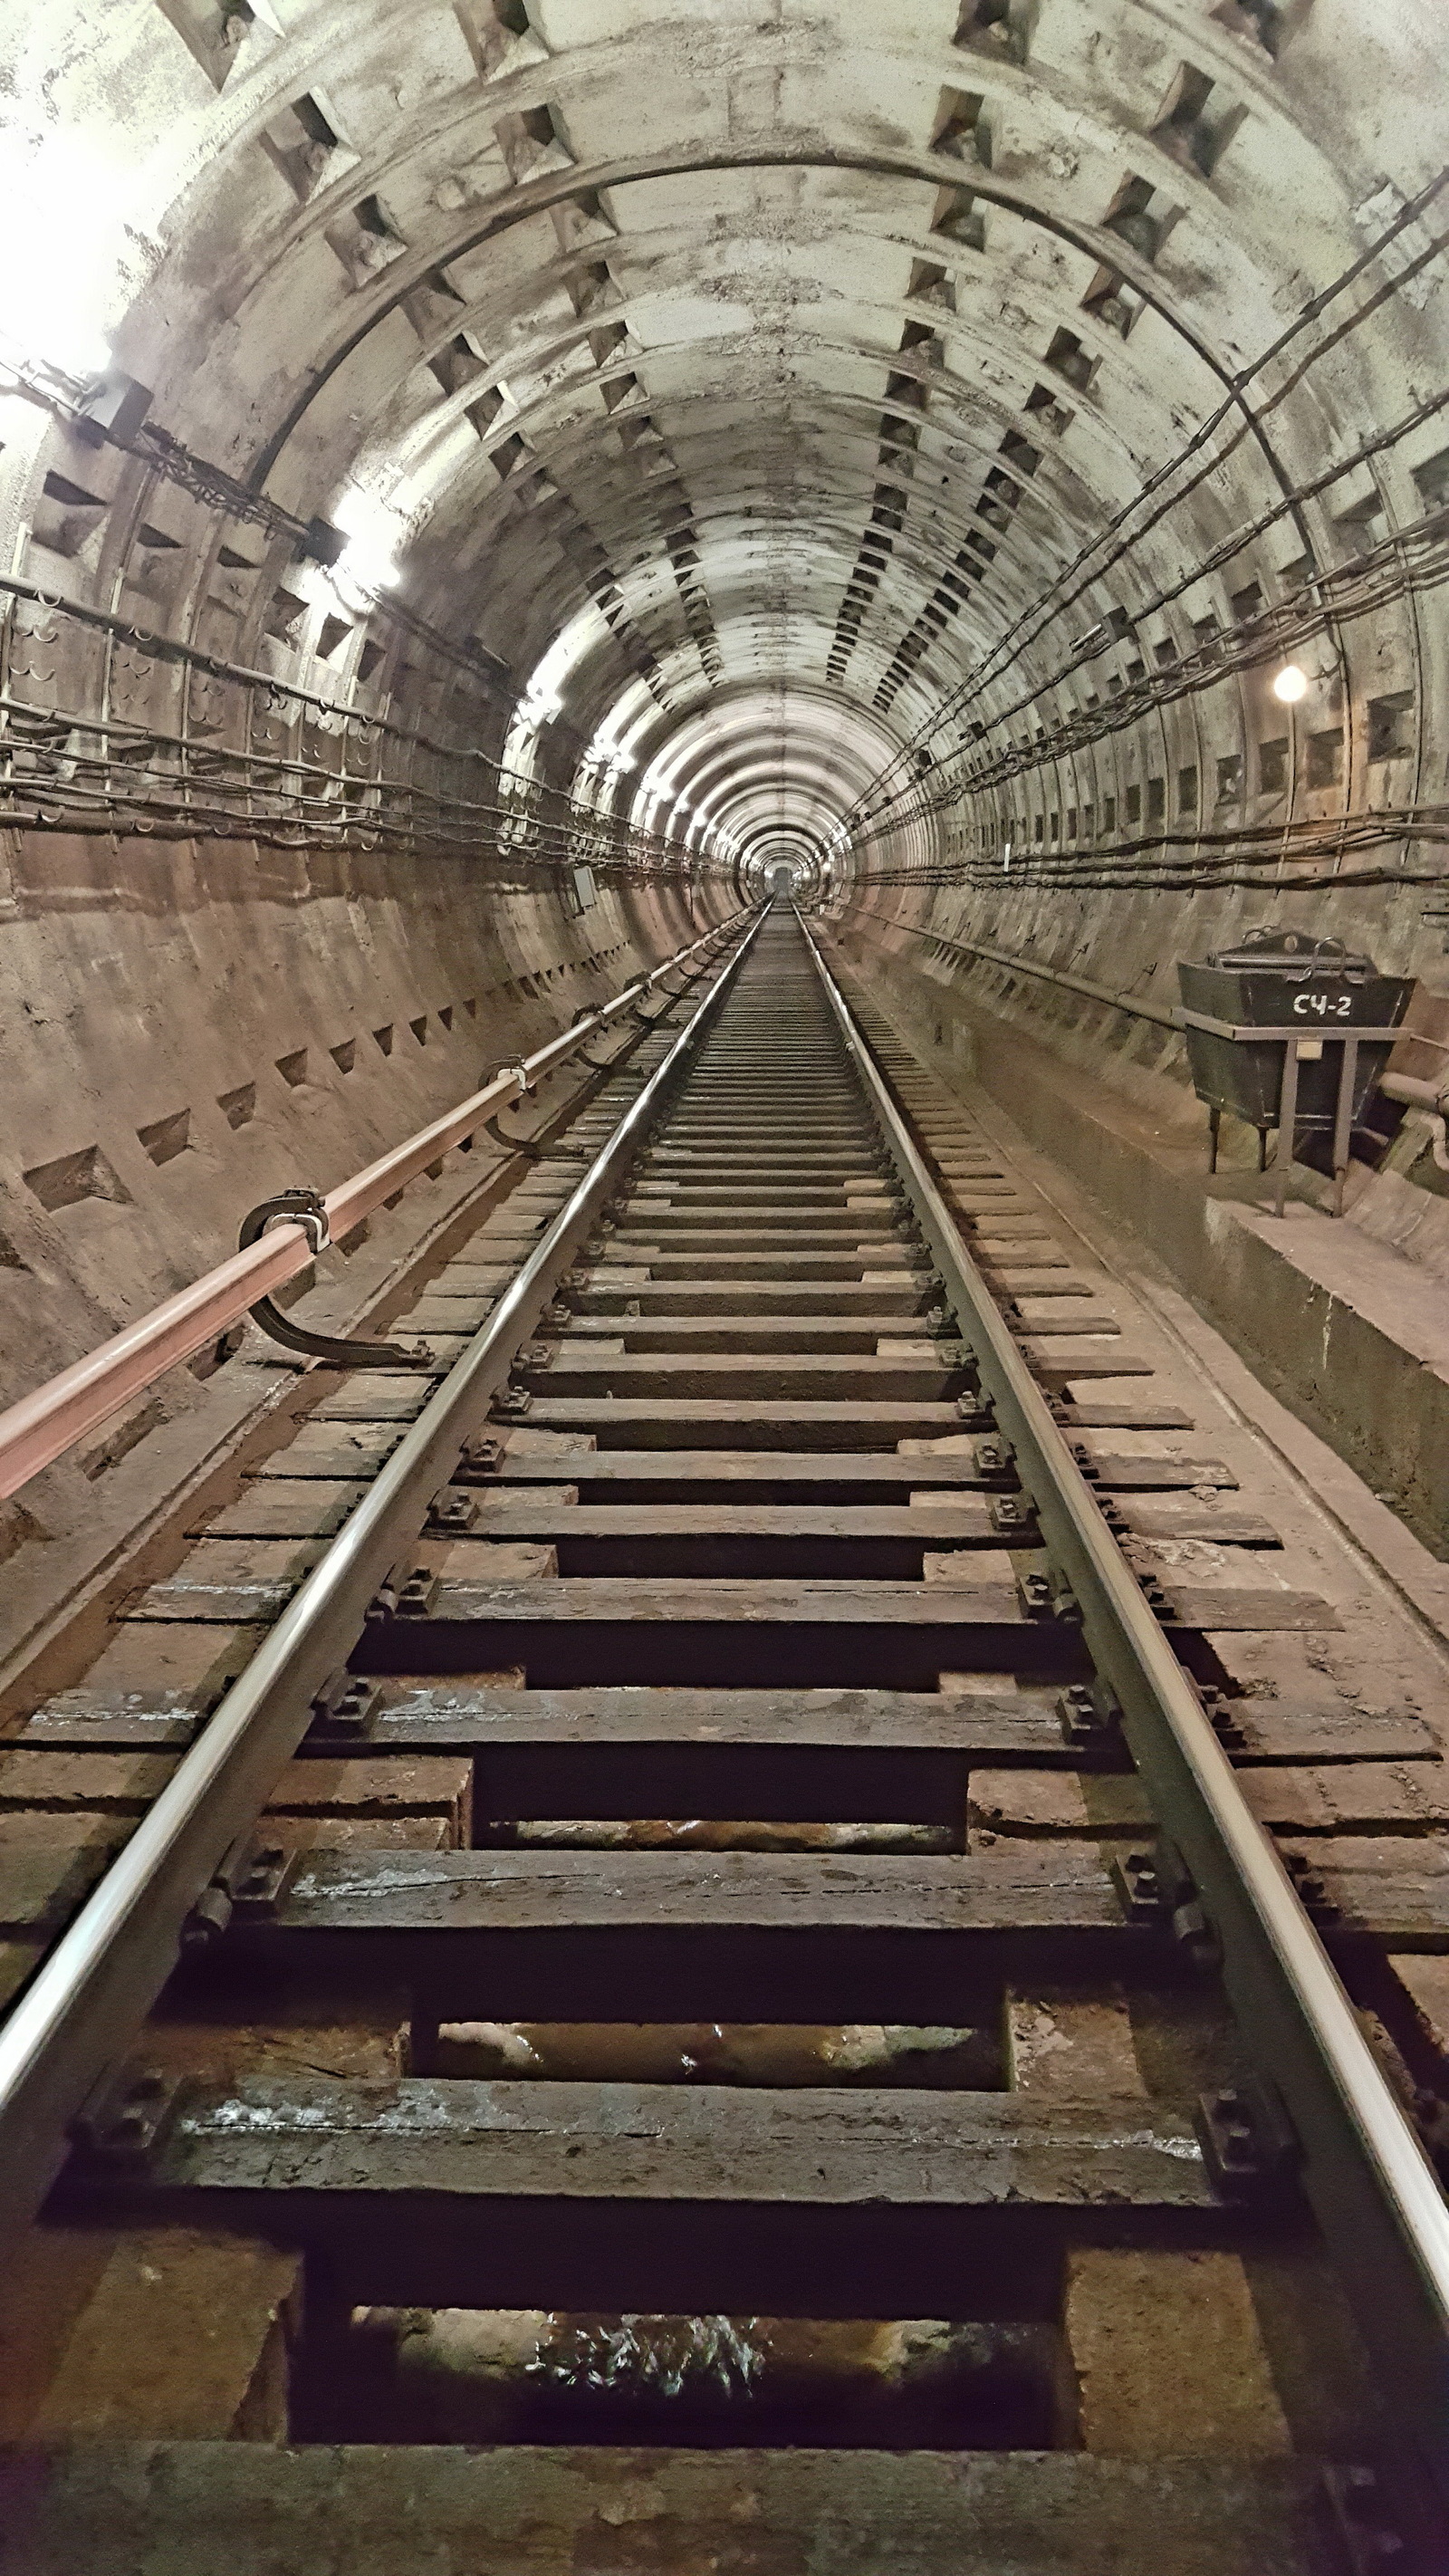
(87, 2001)
(41, 1426)
(1372, 2189)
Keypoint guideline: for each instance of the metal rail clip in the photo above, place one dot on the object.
(1249, 2144)
(1225, 1724)
(126, 2117)
(480, 1457)
(1157, 1890)
(343, 1710)
(996, 1458)
(1091, 1720)
(1044, 1593)
(408, 1592)
(248, 1882)
(1309, 1888)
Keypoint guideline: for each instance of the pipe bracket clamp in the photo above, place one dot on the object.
(303, 1207)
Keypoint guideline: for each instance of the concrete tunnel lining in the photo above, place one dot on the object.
(900, 445)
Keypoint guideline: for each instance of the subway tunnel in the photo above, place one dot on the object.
(494, 493)
(486, 486)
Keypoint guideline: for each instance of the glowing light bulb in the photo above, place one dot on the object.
(1290, 684)
(368, 562)
(59, 295)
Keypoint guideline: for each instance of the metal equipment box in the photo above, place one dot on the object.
(1283, 979)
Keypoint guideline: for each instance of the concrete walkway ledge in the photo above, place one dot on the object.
(1346, 1331)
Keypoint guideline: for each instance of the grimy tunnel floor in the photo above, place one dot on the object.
(696, 2069)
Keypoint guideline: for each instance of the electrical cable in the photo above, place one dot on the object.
(1014, 641)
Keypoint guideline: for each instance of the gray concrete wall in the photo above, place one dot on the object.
(174, 1053)
(885, 408)
(1351, 1335)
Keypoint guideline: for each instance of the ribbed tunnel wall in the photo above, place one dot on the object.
(899, 441)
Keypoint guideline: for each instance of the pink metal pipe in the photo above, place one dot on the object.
(40, 1428)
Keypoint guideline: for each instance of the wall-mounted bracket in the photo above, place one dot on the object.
(307, 1208)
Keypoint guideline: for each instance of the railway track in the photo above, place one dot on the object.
(758, 1859)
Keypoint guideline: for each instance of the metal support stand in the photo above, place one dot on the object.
(1287, 1113)
(307, 1209)
(512, 1144)
(1343, 1119)
(1296, 1044)
(1347, 1042)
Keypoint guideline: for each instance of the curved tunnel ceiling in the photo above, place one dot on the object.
(735, 378)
